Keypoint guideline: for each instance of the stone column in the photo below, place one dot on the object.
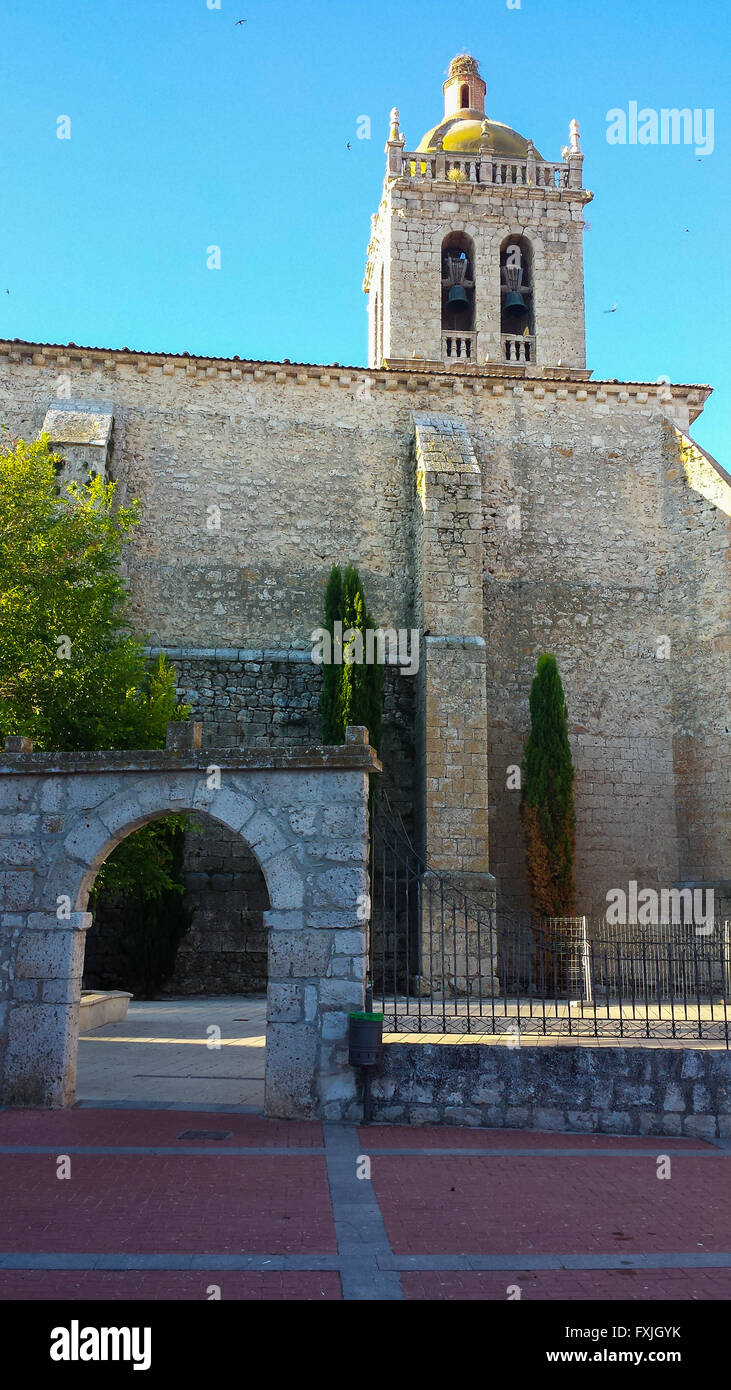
(40, 1067)
(318, 947)
(453, 710)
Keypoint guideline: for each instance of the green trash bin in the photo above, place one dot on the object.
(365, 1039)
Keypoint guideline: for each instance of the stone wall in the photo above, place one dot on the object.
(225, 949)
(574, 1089)
(258, 699)
(619, 543)
(618, 565)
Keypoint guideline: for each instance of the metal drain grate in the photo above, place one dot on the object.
(217, 1134)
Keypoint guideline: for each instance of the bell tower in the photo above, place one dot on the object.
(476, 252)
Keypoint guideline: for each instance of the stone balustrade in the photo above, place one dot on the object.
(519, 347)
(485, 168)
(458, 346)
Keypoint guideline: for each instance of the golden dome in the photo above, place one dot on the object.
(464, 133)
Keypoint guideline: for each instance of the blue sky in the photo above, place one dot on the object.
(188, 131)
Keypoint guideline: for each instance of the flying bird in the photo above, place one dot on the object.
(347, 145)
(238, 22)
(613, 310)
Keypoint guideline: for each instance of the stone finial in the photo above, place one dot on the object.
(356, 733)
(18, 743)
(181, 737)
(574, 137)
(486, 138)
(394, 133)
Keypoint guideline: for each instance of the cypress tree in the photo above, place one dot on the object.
(332, 730)
(352, 693)
(547, 800)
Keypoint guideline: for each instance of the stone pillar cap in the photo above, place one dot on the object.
(181, 736)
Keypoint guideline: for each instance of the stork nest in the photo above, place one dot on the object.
(463, 65)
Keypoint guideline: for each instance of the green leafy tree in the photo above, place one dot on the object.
(547, 799)
(73, 675)
(352, 693)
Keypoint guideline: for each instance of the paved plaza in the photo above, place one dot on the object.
(168, 1051)
(176, 1203)
(180, 1188)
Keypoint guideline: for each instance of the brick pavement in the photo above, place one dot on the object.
(274, 1210)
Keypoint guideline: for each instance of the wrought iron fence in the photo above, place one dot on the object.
(442, 961)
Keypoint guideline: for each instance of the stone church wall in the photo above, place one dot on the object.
(619, 545)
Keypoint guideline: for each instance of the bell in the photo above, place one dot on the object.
(514, 303)
(457, 297)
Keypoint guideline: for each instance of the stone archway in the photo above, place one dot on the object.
(304, 816)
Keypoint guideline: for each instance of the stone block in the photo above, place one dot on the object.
(549, 1119)
(615, 1122)
(183, 736)
(386, 1114)
(342, 1087)
(344, 821)
(670, 1123)
(40, 1064)
(342, 888)
(16, 890)
(49, 955)
(299, 954)
(513, 1117)
(462, 1115)
(18, 743)
(700, 1126)
(600, 1097)
(291, 1065)
(418, 1114)
(284, 880)
(284, 1002)
(486, 1095)
(628, 1094)
(26, 991)
(650, 1123)
(583, 1121)
(693, 1064)
(60, 991)
(383, 1088)
(674, 1098)
(335, 1026)
(265, 837)
(350, 942)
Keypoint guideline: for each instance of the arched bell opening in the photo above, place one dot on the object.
(517, 319)
(464, 97)
(458, 284)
